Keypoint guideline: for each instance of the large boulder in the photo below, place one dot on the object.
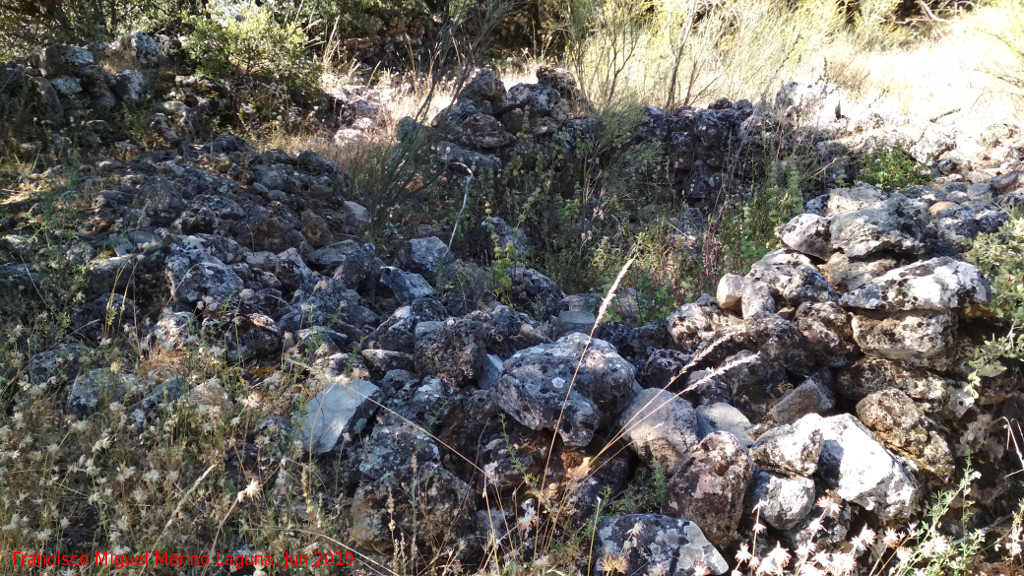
(860, 469)
(896, 224)
(660, 427)
(540, 386)
(711, 486)
(939, 284)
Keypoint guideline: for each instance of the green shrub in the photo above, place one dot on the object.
(891, 168)
(245, 40)
(1000, 258)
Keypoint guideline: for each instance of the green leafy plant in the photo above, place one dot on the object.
(233, 41)
(1000, 258)
(891, 168)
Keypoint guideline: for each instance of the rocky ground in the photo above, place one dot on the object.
(836, 367)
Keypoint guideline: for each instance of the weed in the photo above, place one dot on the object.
(892, 168)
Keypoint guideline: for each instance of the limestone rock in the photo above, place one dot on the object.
(897, 424)
(655, 544)
(787, 449)
(860, 469)
(939, 284)
(344, 406)
(711, 486)
(783, 500)
(660, 427)
(792, 278)
(534, 385)
(917, 338)
(808, 234)
(896, 224)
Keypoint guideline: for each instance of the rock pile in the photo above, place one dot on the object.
(836, 365)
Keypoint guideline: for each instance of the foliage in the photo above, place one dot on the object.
(1000, 258)
(892, 168)
(743, 229)
(246, 40)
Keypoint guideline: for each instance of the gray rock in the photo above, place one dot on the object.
(334, 255)
(754, 381)
(917, 338)
(808, 104)
(898, 425)
(344, 406)
(540, 99)
(67, 85)
(490, 372)
(660, 427)
(455, 348)
(436, 516)
(534, 387)
(174, 330)
(195, 276)
(478, 163)
(484, 86)
(782, 501)
(87, 389)
(356, 218)
(845, 200)
(405, 286)
(788, 450)
(534, 292)
(656, 545)
(860, 469)
(870, 375)
(808, 234)
(252, 336)
(722, 417)
(934, 142)
(699, 322)
(570, 321)
(896, 224)
(779, 340)
(939, 284)
(711, 487)
(63, 60)
(663, 366)
(792, 278)
(757, 299)
(292, 271)
(848, 275)
(813, 396)
(826, 326)
(427, 257)
(131, 86)
(393, 448)
(146, 50)
(497, 234)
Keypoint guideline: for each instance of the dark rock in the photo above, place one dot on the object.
(710, 487)
(534, 387)
(660, 427)
(428, 257)
(653, 545)
(537, 294)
